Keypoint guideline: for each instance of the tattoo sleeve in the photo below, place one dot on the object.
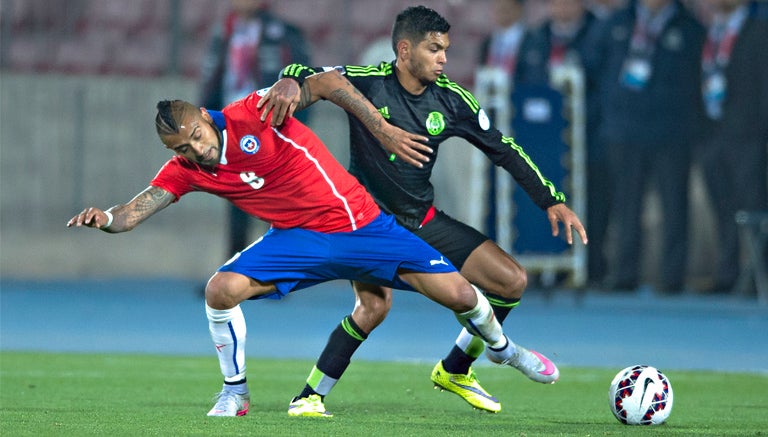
(305, 96)
(141, 207)
(355, 103)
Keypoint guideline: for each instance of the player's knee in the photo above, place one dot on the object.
(463, 298)
(517, 283)
(219, 293)
(511, 285)
(514, 283)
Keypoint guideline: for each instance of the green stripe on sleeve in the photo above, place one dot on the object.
(559, 196)
(465, 95)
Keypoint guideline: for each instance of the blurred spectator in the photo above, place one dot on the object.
(559, 40)
(247, 52)
(651, 105)
(733, 156)
(375, 52)
(603, 9)
(759, 9)
(565, 37)
(500, 48)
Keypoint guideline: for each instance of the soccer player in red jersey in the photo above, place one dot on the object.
(325, 226)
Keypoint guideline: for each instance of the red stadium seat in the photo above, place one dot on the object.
(30, 53)
(144, 55)
(84, 54)
(115, 14)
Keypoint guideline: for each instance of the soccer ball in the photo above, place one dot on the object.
(641, 395)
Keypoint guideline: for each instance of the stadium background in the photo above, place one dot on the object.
(80, 79)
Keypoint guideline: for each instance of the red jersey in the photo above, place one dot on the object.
(284, 176)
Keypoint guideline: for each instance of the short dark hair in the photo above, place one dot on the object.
(169, 115)
(415, 22)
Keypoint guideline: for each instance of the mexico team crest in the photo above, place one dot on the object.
(249, 144)
(435, 123)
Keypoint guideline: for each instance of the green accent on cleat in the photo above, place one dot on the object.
(311, 406)
(466, 386)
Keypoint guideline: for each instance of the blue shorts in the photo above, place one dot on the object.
(293, 259)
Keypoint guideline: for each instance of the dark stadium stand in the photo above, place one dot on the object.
(138, 37)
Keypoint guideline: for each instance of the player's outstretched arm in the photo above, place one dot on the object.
(283, 98)
(561, 213)
(122, 218)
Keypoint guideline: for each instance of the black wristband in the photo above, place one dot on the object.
(297, 72)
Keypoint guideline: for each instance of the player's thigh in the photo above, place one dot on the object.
(448, 289)
(495, 271)
(452, 238)
(478, 258)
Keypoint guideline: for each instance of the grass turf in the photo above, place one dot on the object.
(45, 394)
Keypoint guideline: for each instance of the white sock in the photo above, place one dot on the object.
(228, 331)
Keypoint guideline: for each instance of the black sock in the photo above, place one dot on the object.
(501, 305)
(308, 391)
(335, 358)
(457, 361)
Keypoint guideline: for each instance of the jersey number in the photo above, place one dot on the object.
(251, 179)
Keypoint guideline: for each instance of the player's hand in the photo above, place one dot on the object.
(281, 99)
(408, 147)
(560, 213)
(90, 217)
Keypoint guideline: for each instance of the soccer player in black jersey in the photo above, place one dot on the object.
(413, 93)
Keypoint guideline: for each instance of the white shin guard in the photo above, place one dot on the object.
(228, 332)
(480, 321)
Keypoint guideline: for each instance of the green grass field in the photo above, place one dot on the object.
(45, 394)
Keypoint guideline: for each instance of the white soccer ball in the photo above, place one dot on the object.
(641, 395)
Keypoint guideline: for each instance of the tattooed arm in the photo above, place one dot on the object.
(127, 216)
(285, 97)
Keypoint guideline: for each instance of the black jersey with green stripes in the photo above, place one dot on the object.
(443, 110)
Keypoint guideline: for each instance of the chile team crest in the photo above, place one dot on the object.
(249, 144)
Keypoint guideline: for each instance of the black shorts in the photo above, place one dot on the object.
(452, 238)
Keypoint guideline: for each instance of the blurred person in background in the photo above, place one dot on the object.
(603, 9)
(650, 85)
(414, 94)
(759, 9)
(500, 48)
(560, 39)
(733, 154)
(246, 53)
(566, 38)
(497, 62)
